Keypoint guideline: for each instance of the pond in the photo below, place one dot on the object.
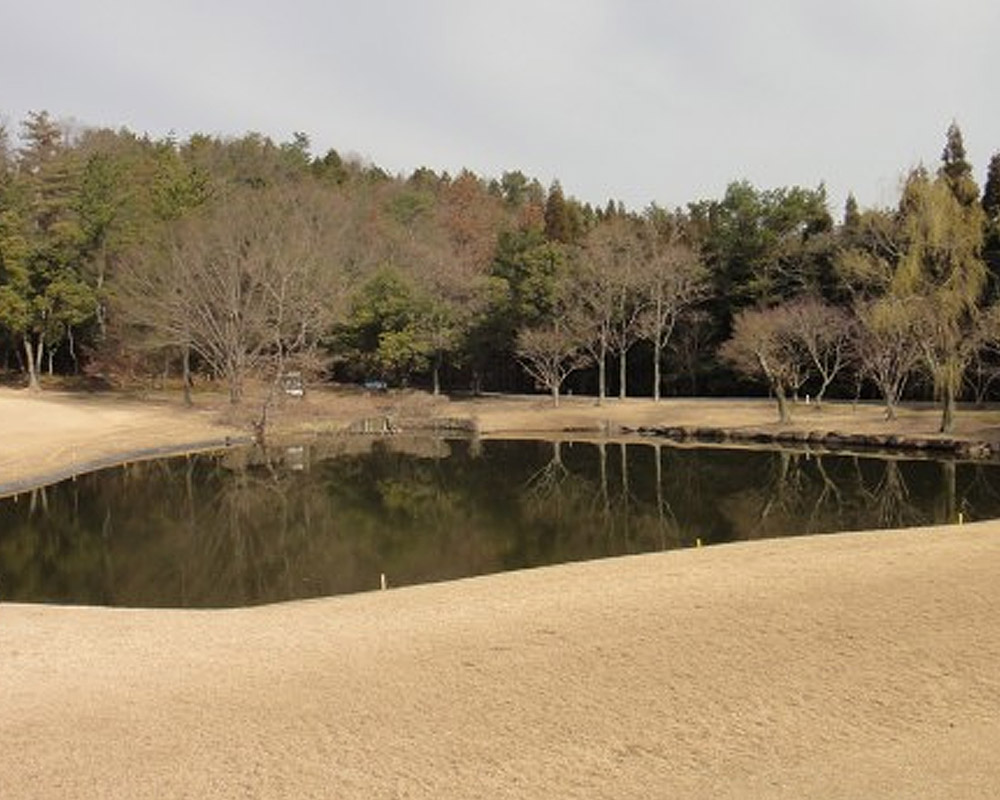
(244, 527)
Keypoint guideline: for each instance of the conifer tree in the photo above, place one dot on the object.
(558, 226)
(852, 215)
(991, 191)
(42, 294)
(991, 209)
(955, 168)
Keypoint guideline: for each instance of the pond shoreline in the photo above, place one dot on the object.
(831, 441)
(53, 436)
(971, 446)
(117, 458)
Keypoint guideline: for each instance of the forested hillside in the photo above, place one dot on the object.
(123, 256)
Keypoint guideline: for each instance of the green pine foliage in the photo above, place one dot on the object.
(991, 190)
(955, 168)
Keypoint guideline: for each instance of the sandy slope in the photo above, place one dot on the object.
(52, 434)
(864, 665)
(854, 666)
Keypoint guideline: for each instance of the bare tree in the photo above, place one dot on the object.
(763, 344)
(247, 284)
(550, 354)
(607, 290)
(825, 334)
(689, 344)
(984, 367)
(595, 292)
(672, 280)
(982, 374)
(887, 346)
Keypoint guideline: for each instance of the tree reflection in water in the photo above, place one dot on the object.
(253, 526)
(889, 497)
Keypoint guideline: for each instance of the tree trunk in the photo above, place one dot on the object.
(622, 372)
(602, 369)
(39, 353)
(890, 394)
(72, 349)
(33, 384)
(102, 264)
(657, 354)
(623, 356)
(779, 395)
(436, 374)
(822, 392)
(235, 390)
(555, 394)
(186, 373)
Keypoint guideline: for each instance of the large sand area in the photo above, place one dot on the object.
(849, 666)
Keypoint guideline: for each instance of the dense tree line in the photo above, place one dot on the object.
(123, 255)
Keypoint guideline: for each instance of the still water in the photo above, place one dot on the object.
(245, 527)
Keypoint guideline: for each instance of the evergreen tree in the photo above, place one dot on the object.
(42, 293)
(330, 168)
(558, 225)
(42, 140)
(955, 168)
(991, 208)
(6, 156)
(514, 188)
(852, 215)
(764, 247)
(991, 191)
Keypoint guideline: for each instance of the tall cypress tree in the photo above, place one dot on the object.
(991, 191)
(991, 208)
(558, 226)
(852, 216)
(955, 168)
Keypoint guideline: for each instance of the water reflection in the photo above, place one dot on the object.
(249, 526)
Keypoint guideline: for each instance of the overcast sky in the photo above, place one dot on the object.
(658, 100)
